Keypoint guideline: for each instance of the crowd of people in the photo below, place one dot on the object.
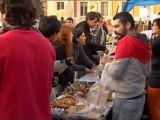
(72, 43)
(35, 61)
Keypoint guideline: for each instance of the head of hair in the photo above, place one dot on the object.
(100, 16)
(125, 17)
(76, 34)
(92, 15)
(157, 22)
(19, 12)
(70, 18)
(64, 38)
(49, 25)
(62, 18)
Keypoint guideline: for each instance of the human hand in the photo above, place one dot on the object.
(69, 61)
(88, 70)
(100, 53)
(104, 59)
(106, 51)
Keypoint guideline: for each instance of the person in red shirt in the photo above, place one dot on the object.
(129, 69)
(26, 65)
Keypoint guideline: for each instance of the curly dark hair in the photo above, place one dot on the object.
(19, 12)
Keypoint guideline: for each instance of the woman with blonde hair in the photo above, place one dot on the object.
(69, 40)
(65, 38)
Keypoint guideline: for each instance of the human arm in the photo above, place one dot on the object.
(86, 61)
(77, 67)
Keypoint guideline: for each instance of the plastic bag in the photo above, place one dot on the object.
(105, 81)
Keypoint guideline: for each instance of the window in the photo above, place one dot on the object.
(104, 8)
(60, 5)
(83, 8)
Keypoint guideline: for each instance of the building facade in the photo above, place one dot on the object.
(108, 8)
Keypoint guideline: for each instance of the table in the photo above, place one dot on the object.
(87, 116)
(89, 78)
(92, 78)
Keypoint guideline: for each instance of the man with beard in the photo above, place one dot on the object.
(129, 69)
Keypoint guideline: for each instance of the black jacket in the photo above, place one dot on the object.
(81, 59)
(90, 48)
(81, 62)
(60, 51)
(84, 26)
(154, 77)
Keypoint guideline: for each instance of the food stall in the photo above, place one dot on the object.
(85, 99)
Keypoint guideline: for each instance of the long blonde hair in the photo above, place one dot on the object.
(64, 37)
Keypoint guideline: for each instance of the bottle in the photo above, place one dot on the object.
(75, 76)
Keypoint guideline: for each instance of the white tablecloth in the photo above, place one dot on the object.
(89, 78)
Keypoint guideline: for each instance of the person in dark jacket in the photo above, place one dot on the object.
(65, 38)
(92, 19)
(154, 77)
(91, 48)
(50, 27)
(79, 39)
(99, 36)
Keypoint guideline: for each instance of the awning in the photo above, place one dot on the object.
(131, 3)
